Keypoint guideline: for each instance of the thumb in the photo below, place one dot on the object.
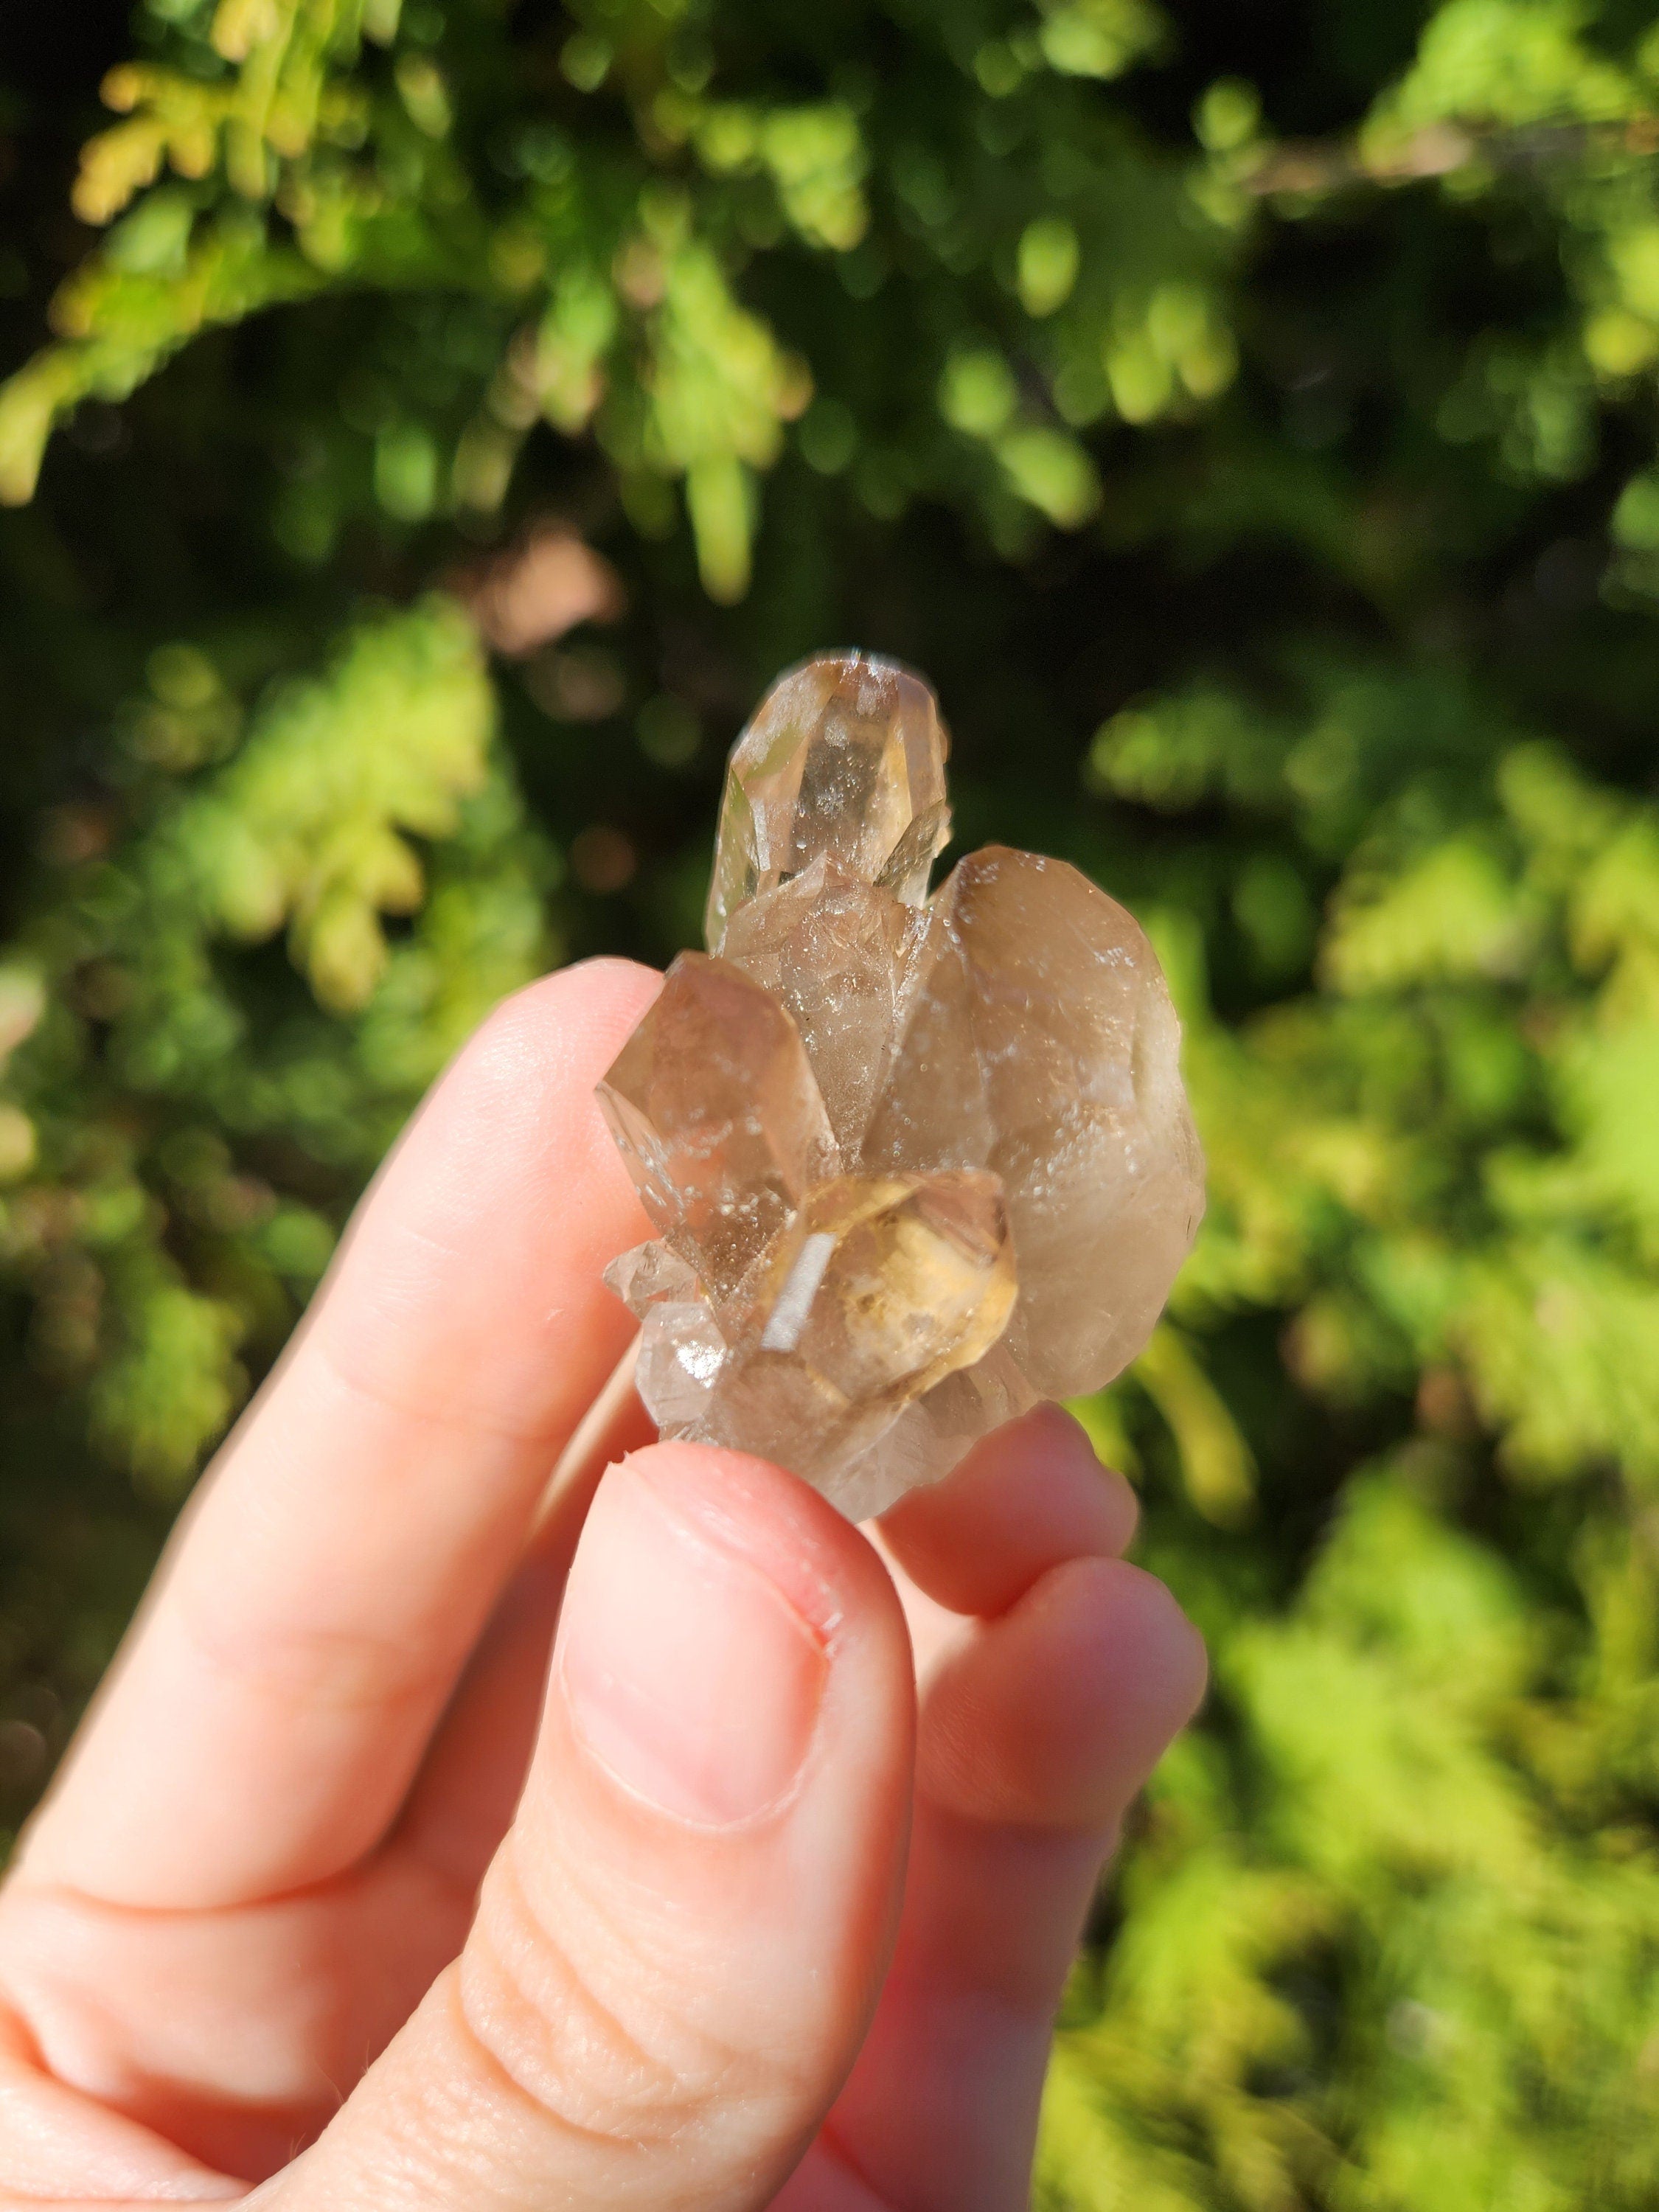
(679, 1943)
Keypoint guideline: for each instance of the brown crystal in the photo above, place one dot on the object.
(913, 1167)
(933, 1433)
(717, 1110)
(1042, 1044)
(838, 954)
(845, 757)
(878, 1289)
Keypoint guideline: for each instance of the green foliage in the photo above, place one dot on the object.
(141, 1058)
(304, 824)
(1459, 1967)
(1250, 425)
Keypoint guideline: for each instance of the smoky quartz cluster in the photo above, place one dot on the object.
(915, 1163)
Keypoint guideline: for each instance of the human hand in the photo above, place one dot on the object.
(360, 1893)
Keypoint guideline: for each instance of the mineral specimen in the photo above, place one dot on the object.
(914, 1163)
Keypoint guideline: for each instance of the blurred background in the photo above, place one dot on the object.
(429, 427)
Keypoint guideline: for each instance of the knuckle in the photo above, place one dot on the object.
(603, 2043)
(316, 1666)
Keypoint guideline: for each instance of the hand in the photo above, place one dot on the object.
(362, 1893)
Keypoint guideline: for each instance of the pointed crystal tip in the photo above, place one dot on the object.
(845, 757)
(714, 1108)
(911, 1166)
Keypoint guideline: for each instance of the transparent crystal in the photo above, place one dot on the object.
(1040, 1043)
(717, 1110)
(839, 954)
(649, 1273)
(878, 1289)
(913, 1168)
(681, 1352)
(845, 757)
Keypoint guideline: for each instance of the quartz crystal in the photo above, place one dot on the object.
(718, 1116)
(845, 757)
(914, 1164)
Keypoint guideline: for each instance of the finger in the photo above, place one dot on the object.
(1027, 1497)
(1053, 1716)
(462, 1800)
(319, 1602)
(1030, 1496)
(53, 2142)
(1036, 1735)
(677, 1945)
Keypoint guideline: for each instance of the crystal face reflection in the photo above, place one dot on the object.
(913, 1166)
(845, 758)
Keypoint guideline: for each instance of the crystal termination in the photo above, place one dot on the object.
(914, 1164)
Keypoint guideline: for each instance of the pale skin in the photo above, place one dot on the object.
(436, 1844)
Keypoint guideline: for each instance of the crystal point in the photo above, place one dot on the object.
(913, 1166)
(845, 757)
(649, 1273)
(682, 1354)
(715, 1107)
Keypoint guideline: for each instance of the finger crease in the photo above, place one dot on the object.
(648, 2084)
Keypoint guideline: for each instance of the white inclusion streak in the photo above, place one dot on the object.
(788, 1316)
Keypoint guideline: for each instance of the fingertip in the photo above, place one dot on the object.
(692, 1669)
(513, 1121)
(709, 1848)
(470, 1276)
(779, 1524)
(580, 1014)
(1124, 1662)
(1138, 1635)
(1027, 1498)
(1057, 1713)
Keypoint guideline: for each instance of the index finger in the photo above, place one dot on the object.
(264, 1720)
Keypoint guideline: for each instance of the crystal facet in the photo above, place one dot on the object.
(845, 757)
(715, 1106)
(913, 1166)
(648, 1275)
(839, 955)
(878, 1289)
(1042, 1044)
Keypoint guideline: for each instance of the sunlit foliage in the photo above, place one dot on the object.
(443, 422)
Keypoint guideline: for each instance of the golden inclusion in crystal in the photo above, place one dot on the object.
(914, 1163)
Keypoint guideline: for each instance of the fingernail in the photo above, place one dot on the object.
(687, 1672)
